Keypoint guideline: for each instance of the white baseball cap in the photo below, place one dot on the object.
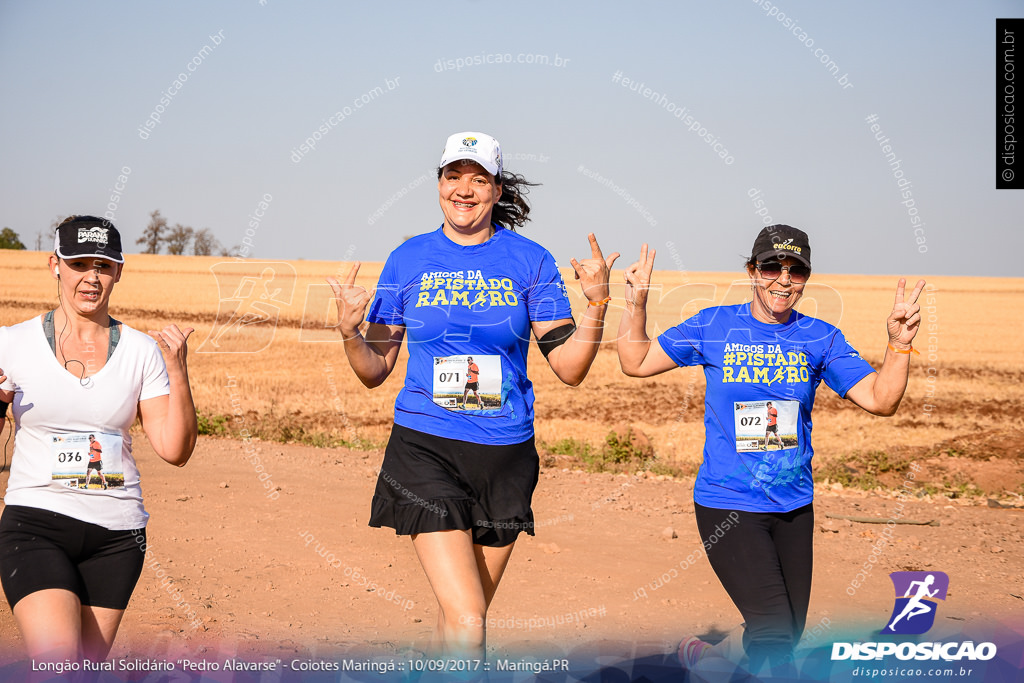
(478, 147)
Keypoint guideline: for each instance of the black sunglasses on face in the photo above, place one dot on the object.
(773, 271)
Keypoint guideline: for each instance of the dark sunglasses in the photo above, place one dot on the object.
(773, 271)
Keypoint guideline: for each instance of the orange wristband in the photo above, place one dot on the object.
(908, 351)
(602, 302)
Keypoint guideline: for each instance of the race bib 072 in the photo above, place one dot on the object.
(766, 425)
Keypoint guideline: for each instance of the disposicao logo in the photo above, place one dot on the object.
(913, 614)
(916, 595)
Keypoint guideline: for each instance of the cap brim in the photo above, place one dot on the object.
(483, 163)
(116, 258)
(779, 253)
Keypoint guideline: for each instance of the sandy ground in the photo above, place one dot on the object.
(287, 567)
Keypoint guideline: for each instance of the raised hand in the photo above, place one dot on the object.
(351, 300)
(638, 278)
(905, 318)
(593, 272)
(173, 345)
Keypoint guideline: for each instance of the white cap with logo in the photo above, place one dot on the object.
(478, 147)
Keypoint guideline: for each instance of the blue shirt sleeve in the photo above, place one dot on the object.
(843, 366)
(388, 307)
(547, 298)
(684, 343)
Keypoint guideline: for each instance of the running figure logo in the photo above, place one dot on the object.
(916, 595)
(252, 295)
(772, 419)
(95, 462)
(472, 383)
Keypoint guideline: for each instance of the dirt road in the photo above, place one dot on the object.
(262, 550)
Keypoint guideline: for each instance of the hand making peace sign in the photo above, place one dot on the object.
(593, 272)
(905, 319)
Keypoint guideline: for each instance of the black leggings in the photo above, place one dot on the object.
(763, 560)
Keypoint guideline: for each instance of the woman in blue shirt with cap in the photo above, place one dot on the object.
(753, 505)
(457, 478)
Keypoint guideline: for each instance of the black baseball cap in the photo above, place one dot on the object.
(776, 241)
(88, 236)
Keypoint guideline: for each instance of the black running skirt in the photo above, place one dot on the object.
(430, 483)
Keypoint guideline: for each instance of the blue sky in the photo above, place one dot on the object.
(80, 79)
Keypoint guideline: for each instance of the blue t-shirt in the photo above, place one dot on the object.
(467, 311)
(761, 381)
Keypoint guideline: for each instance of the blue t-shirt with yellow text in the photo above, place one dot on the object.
(469, 307)
(759, 374)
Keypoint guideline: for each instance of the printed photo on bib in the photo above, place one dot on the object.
(766, 425)
(467, 382)
(87, 461)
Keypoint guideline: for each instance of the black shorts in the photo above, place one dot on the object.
(430, 483)
(40, 549)
(98, 466)
(774, 429)
(472, 386)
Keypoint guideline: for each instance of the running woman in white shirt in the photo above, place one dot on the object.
(70, 556)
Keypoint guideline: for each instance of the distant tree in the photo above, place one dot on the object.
(178, 238)
(41, 238)
(153, 235)
(10, 240)
(227, 252)
(204, 243)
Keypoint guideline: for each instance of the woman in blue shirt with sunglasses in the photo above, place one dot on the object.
(753, 505)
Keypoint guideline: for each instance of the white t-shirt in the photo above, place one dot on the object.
(63, 422)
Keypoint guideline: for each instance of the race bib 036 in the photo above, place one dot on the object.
(86, 461)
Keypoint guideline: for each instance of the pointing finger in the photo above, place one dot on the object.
(595, 250)
(350, 279)
(917, 291)
(900, 287)
(649, 264)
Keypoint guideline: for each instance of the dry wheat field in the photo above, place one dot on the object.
(237, 565)
(263, 358)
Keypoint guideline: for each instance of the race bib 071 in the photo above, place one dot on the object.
(467, 382)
